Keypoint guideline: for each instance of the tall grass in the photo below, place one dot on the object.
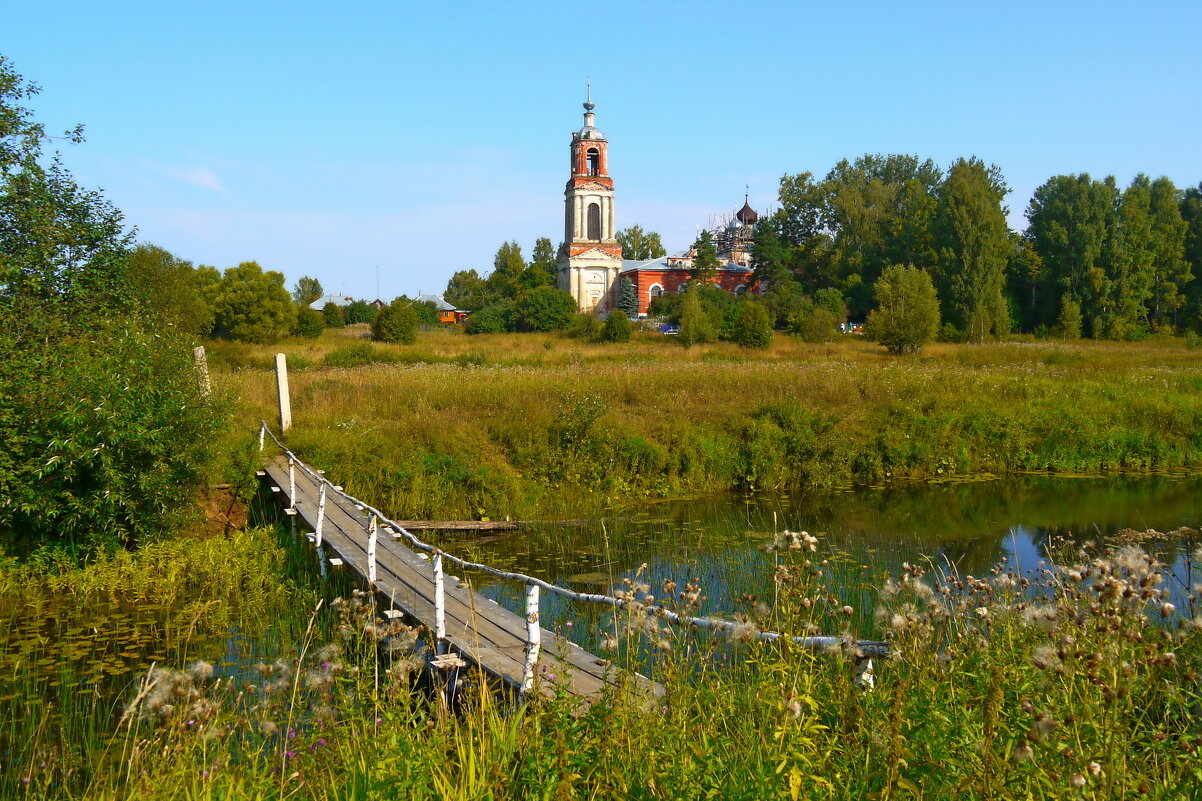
(522, 425)
(1073, 682)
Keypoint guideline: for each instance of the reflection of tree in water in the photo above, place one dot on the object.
(966, 523)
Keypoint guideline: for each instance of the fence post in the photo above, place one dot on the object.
(534, 636)
(281, 383)
(373, 533)
(262, 434)
(440, 607)
(202, 369)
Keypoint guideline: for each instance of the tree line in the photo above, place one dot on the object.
(1096, 259)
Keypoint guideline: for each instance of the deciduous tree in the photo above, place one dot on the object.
(906, 316)
(307, 290)
(466, 290)
(253, 306)
(640, 245)
(705, 260)
(396, 322)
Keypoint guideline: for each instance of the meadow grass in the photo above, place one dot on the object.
(542, 425)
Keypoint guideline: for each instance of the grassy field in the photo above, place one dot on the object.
(529, 425)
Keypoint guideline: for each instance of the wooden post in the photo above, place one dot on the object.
(440, 607)
(281, 383)
(262, 436)
(321, 512)
(291, 483)
(534, 636)
(372, 534)
(202, 369)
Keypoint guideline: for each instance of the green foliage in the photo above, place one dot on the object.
(752, 326)
(466, 290)
(617, 328)
(508, 266)
(1068, 324)
(907, 312)
(584, 325)
(628, 299)
(492, 319)
(543, 267)
(306, 291)
(543, 309)
(831, 299)
(427, 312)
(814, 323)
(640, 245)
(397, 322)
(356, 354)
(360, 311)
(331, 314)
(973, 245)
(58, 242)
(170, 290)
(253, 306)
(705, 260)
(696, 326)
(309, 323)
(103, 430)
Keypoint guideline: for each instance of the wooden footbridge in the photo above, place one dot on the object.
(408, 579)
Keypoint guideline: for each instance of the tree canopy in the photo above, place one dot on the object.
(640, 245)
(906, 316)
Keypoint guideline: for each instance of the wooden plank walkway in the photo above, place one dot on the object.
(478, 629)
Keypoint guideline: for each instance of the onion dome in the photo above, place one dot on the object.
(747, 215)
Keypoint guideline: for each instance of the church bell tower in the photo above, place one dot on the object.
(591, 258)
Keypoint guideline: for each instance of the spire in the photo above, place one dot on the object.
(588, 102)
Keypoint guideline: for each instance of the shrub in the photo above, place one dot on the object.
(949, 333)
(309, 323)
(1192, 340)
(814, 324)
(359, 311)
(584, 325)
(253, 305)
(907, 312)
(696, 327)
(617, 328)
(332, 314)
(492, 319)
(355, 354)
(1068, 324)
(543, 308)
(752, 326)
(396, 322)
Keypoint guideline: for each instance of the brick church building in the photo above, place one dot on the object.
(591, 267)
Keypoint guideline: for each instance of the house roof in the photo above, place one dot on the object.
(439, 303)
(337, 300)
(676, 263)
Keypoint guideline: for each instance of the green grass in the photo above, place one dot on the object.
(536, 426)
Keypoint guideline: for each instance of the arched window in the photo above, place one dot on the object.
(741, 289)
(655, 291)
(594, 161)
(594, 222)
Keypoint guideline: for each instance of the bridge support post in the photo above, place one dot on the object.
(321, 519)
(372, 534)
(440, 607)
(291, 483)
(533, 638)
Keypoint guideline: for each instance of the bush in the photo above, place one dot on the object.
(543, 308)
(332, 314)
(617, 328)
(492, 319)
(585, 325)
(949, 333)
(1192, 340)
(907, 312)
(310, 323)
(253, 305)
(359, 311)
(814, 324)
(103, 433)
(696, 327)
(396, 322)
(1068, 324)
(752, 326)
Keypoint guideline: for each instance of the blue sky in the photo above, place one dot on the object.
(417, 137)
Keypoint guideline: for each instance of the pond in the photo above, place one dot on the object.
(866, 534)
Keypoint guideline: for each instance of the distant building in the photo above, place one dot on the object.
(590, 259)
(447, 314)
(340, 301)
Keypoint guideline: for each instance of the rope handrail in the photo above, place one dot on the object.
(861, 648)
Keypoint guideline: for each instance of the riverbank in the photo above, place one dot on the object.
(541, 425)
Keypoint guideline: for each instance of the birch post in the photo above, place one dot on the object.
(321, 512)
(372, 534)
(202, 369)
(440, 607)
(281, 384)
(534, 635)
(291, 483)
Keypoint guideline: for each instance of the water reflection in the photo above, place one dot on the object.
(971, 525)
